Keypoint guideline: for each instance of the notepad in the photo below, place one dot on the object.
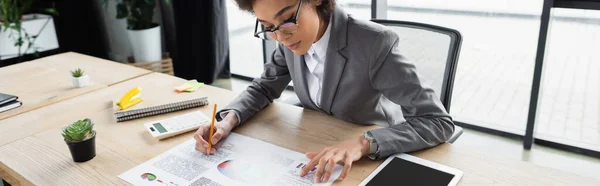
(5, 98)
(8, 102)
(10, 105)
(160, 109)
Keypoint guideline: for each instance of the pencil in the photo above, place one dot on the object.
(212, 128)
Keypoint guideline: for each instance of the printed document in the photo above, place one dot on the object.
(240, 160)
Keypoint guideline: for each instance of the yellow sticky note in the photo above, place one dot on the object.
(183, 87)
(189, 86)
(195, 85)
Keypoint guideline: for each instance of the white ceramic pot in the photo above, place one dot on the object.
(81, 81)
(146, 44)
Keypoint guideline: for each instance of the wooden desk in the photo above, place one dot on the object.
(32, 151)
(120, 146)
(45, 81)
(44, 159)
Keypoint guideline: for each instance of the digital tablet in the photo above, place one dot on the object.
(404, 169)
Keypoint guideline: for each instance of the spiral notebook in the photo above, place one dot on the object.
(160, 109)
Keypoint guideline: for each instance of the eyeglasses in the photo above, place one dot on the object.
(289, 26)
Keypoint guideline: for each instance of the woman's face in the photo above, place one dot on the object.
(272, 13)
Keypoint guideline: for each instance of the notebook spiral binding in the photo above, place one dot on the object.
(160, 109)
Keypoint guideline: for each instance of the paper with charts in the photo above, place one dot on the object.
(239, 161)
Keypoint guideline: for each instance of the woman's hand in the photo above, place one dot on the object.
(222, 129)
(346, 153)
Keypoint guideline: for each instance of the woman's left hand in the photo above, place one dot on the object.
(349, 151)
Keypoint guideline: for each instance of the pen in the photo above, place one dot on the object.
(212, 127)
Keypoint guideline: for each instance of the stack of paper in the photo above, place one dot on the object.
(189, 86)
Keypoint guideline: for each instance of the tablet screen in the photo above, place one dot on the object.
(403, 172)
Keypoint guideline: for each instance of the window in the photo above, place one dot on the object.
(245, 51)
(493, 79)
(569, 100)
(360, 9)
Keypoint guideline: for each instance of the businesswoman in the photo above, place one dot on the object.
(348, 68)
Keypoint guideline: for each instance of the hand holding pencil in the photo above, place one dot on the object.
(207, 136)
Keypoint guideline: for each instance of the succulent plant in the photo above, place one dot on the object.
(77, 73)
(78, 131)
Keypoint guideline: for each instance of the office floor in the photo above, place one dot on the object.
(494, 145)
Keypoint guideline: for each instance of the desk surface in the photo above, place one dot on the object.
(32, 151)
(45, 81)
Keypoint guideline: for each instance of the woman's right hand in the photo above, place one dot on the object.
(222, 129)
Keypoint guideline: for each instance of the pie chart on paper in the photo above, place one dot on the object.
(242, 171)
(148, 176)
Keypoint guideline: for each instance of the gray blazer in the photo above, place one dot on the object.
(366, 81)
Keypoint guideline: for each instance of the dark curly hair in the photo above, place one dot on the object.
(324, 10)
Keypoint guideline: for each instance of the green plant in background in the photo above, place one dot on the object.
(78, 131)
(77, 73)
(11, 16)
(139, 13)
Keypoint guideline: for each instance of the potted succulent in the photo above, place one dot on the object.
(79, 78)
(81, 139)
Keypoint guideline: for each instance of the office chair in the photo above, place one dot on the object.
(434, 50)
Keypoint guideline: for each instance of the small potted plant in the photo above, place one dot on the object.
(79, 79)
(81, 139)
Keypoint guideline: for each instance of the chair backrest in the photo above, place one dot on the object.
(433, 49)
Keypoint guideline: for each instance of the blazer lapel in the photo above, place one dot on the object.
(335, 60)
